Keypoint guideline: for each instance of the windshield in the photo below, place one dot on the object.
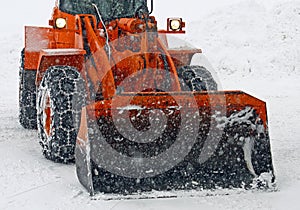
(109, 9)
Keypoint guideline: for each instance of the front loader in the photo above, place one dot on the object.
(133, 112)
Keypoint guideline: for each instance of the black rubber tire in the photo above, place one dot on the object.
(197, 78)
(27, 96)
(62, 90)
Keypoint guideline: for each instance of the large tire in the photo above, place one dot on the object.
(197, 78)
(27, 96)
(61, 96)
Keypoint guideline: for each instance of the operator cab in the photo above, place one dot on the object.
(109, 9)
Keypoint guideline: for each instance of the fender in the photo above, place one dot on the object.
(59, 57)
(36, 39)
(180, 56)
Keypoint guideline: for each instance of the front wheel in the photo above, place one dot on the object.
(27, 96)
(61, 96)
(197, 78)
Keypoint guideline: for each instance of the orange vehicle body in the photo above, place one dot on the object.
(41, 46)
(81, 45)
(41, 52)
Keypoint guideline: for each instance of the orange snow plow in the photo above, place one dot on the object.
(133, 113)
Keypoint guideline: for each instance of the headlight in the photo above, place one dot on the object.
(60, 23)
(175, 24)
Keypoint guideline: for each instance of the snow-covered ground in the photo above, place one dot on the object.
(254, 46)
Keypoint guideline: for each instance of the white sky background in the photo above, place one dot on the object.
(17, 13)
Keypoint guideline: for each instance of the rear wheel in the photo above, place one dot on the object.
(27, 96)
(61, 96)
(197, 78)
